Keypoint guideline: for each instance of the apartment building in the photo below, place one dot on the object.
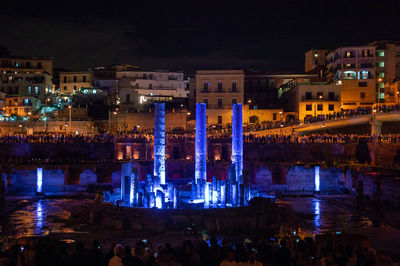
(140, 89)
(312, 99)
(21, 106)
(365, 73)
(71, 82)
(315, 58)
(219, 89)
(354, 68)
(26, 84)
(17, 65)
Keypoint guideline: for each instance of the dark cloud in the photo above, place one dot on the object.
(193, 34)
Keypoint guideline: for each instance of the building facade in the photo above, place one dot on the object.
(145, 87)
(312, 99)
(71, 82)
(219, 89)
(315, 58)
(21, 106)
(362, 71)
(26, 65)
(354, 69)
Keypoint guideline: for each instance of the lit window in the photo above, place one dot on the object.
(380, 64)
(29, 90)
(364, 74)
(380, 53)
(349, 75)
(36, 90)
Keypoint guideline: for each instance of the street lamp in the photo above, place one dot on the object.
(322, 107)
(70, 117)
(379, 91)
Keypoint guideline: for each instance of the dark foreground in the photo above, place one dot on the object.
(62, 231)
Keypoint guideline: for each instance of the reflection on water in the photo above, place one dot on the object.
(328, 217)
(41, 218)
(49, 215)
(316, 213)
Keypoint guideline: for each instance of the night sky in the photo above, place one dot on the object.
(190, 35)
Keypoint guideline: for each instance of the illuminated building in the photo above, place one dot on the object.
(315, 58)
(26, 84)
(311, 99)
(21, 106)
(140, 88)
(27, 65)
(219, 90)
(353, 68)
(71, 82)
(362, 71)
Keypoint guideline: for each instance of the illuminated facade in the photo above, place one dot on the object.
(26, 84)
(27, 65)
(71, 82)
(354, 69)
(312, 99)
(315, 58)
(219, 90)
(138, 88)
(21, 106)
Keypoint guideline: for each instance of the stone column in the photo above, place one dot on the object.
(159, 142)
(201, 143)
(237, 141)
(39, 180)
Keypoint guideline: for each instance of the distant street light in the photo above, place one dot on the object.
(70, 117)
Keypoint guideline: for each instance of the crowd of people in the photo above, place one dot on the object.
(352, 113)
(56, 138)
(189, 137)
(322, 138)
(323, 250)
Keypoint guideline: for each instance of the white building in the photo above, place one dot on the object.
(146, 85)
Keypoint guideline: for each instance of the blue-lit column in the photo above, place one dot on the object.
(159, 142)
(201, 143)
(39, 180)
(237, 141)
(316, 179)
